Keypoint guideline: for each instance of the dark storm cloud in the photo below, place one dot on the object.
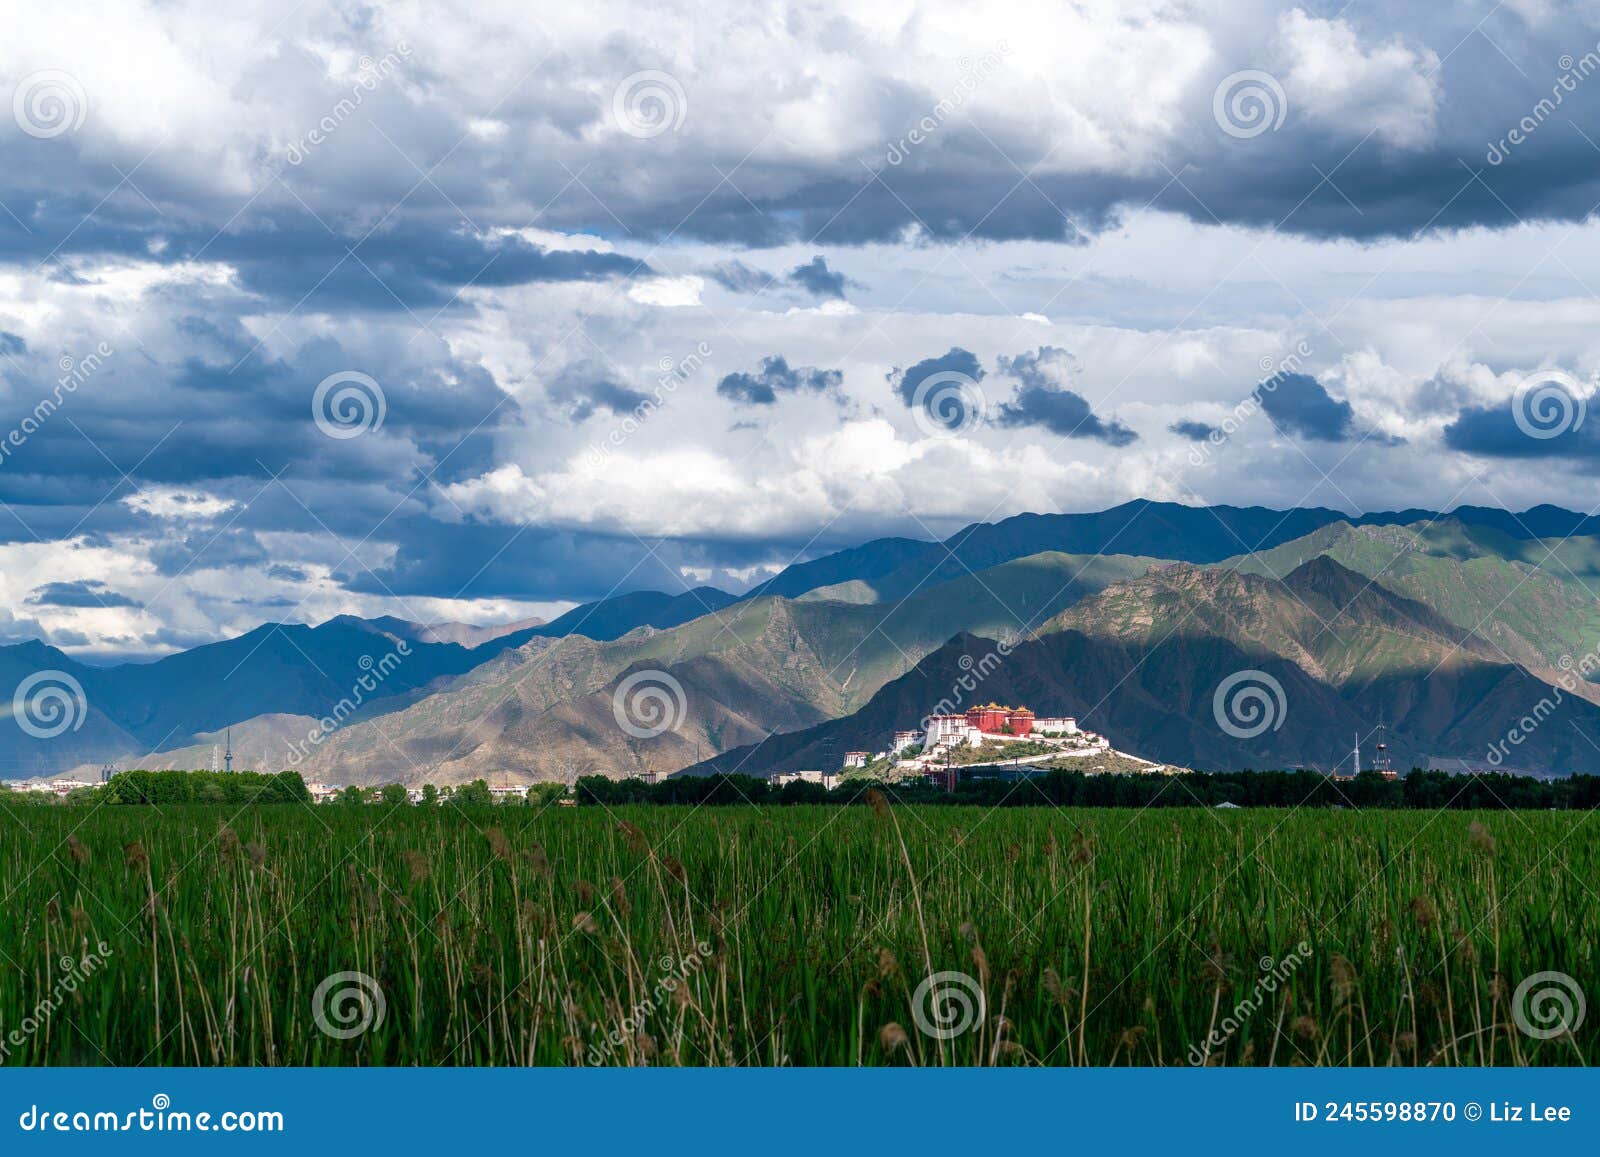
(1042, 400)
(1493, 432)
(473, 560)
(1194, 431)
(1299, 405)
(955, 361)
(818, 280)
(585, 387)
(814, 278)
(83, 593)
(1466, 80)
(1062, 412)
(739, 277)
(776, 377)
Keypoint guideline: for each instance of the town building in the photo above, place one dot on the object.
(903, 740)
(1055, 725)
(951, 731)
(825, 779)
(856, 758)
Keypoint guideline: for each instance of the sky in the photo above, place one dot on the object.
(474, 311)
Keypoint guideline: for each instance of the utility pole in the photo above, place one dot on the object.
(228, 756)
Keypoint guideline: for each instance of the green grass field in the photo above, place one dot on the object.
(732, 936)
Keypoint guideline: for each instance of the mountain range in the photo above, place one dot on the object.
(1449, 629)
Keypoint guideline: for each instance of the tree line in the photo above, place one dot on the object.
(1429, 790)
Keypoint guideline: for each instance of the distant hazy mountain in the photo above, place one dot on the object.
(890, 567)
(1141, 661)
(1450, 627)
(758, 666)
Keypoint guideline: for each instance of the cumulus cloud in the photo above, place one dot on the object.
(79, 593)
(1194, 431)
(776, 377)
